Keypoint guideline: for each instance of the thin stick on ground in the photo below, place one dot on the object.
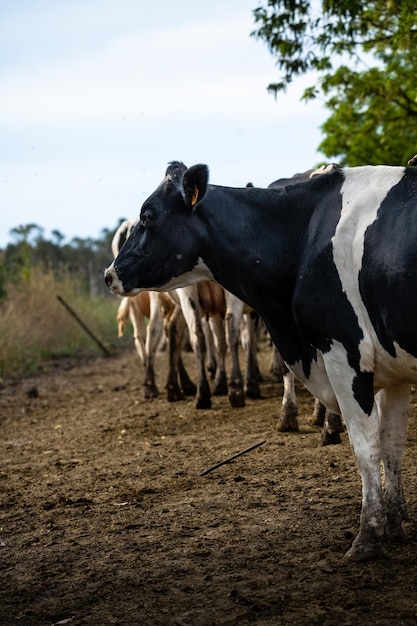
(231, 458)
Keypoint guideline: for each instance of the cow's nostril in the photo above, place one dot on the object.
(108, 279)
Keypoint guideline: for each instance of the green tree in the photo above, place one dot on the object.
(26, 232)
(20, 255)
(363, 56)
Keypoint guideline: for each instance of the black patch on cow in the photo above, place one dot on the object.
(388, 278)
(363, 390)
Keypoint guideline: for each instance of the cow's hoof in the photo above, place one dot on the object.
(319, 414)
(203, 403)
(236, 395)
(394, 531)
(364, 552)
(174, 394)
(288, 421)
(237, 399)
(220, 386)
(330, 439)
(188, 388)
(253, 391)
(288, 427)
(150, 390)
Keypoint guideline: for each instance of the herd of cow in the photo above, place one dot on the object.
(215, 322)
(329, 262)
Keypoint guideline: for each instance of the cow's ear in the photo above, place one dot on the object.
(194, 184)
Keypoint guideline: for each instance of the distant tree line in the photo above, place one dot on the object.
(85, 259)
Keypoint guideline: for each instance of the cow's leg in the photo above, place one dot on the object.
(122, 316)
(139, 327)
(187, 386)
(192, 312)
(175, 332)
(393, 404)
(147, 339)
(154, 333)
(331, 430)
(210, 349)
(363, 425)
(218, 334)
(250, 346)
(319, 413)
(364, 434)
(288, 418)
(331, 424)
(232, 322)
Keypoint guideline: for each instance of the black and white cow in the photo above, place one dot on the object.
(331, 267)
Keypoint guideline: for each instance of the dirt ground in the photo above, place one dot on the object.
(105, 518)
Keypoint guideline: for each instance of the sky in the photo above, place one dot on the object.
(97, 96)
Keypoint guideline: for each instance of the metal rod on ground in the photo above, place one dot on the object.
(231, 458)
(81, 323)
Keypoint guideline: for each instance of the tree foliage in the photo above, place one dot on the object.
(363, 55)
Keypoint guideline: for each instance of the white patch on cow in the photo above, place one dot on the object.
(362, 194)
(318, 382)
(199, 272)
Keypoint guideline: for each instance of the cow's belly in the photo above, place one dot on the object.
(388, 372)
(318, 382)
(394, 370)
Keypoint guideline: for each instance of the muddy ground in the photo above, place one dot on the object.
(105, 518)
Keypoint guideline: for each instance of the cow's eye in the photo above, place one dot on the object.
(146, 217)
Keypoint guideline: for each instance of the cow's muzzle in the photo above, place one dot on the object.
(112, 280)
(108, 279)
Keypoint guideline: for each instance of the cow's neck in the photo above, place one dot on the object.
(253, 249)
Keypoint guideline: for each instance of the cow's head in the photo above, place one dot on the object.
(161, 252)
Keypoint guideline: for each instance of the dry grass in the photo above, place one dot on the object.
(35, 327)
